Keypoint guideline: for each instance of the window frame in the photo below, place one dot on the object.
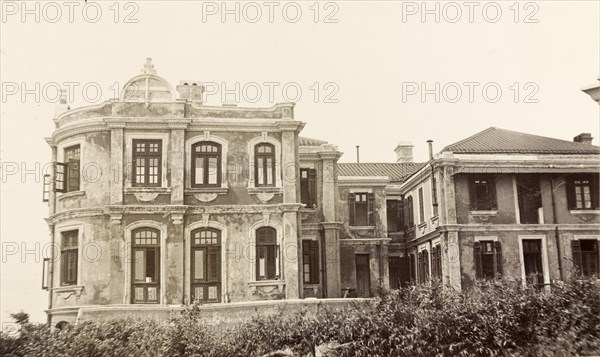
(488, 203)
(72, 179)
(368, 203)
(272, 265)
(310, 257)
(264, 156)
(69, 269)
(308, 187)
(145, 248)
(421, 206)
(206, 169)
(147, 156)
(495, 255)
(206, 281)
(579, 255)
(592, 185)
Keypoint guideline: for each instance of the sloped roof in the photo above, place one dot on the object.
(304, 141)
(396, 172)
(496, 140)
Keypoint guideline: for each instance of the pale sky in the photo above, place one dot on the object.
(368, 61)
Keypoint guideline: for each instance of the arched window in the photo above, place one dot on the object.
(206, 164)
(206, 265)
(267, 254)
(264, 164)
(145, 265)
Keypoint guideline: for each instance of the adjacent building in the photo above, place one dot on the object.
(158, 200)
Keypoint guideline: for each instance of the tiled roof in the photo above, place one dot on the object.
(396, 172)
(496, 140)
(303, 141)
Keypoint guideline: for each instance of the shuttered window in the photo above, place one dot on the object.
(267, 254)
(585, 256)
(488, 259)
(310, 261)
(308, 187)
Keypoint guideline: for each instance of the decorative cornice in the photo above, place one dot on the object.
(290, 207)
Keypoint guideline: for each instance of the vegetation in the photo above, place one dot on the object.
(497, 319)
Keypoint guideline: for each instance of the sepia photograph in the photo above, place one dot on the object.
(299, 178)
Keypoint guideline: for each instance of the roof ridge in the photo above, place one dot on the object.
(471, 137)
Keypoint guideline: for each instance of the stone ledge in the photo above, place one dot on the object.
(71, 194)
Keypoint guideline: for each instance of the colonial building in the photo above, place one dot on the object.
(158, 200)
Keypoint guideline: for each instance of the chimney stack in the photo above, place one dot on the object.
(357, 153)
(584, 138)
(404, 151)
(430, 142)
(191, 91)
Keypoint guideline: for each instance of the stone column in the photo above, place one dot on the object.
(291, 251)
(117, 164)
(332, 259)
(292, 247)
(450, 240)
(177, 163)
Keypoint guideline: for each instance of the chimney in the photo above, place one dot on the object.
(191, 91)
(584, 138)
(404, 152)
(357, 153)
(430, 142)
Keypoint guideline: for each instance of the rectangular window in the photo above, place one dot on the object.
(310, 261)
(532, 258)
(482, 192)
(361, 208)
(409, 213)
(423, 260)
(582, 191)
(308, 187)
(72, 159)
(395, 216)
(585, 256)
(147, 161)
(488, 259)
(436, 262)
(421, 206)
(66, 174)
(68, 257)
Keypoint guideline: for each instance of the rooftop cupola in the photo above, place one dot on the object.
(147, 87)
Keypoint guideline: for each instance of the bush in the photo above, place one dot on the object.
(494, 318)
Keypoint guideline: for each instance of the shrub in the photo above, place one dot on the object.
(499, 318)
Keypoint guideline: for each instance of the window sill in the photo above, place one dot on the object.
(584, 211)
(485, 213)
(422, 225)
(217, 190)
(361, 228)
(147, 190)
(279, 284)
(266, 189)
(71, 194)
(68, 290)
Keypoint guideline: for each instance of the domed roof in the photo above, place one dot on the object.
(147, 87)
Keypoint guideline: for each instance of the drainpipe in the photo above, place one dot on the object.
(556, 235)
